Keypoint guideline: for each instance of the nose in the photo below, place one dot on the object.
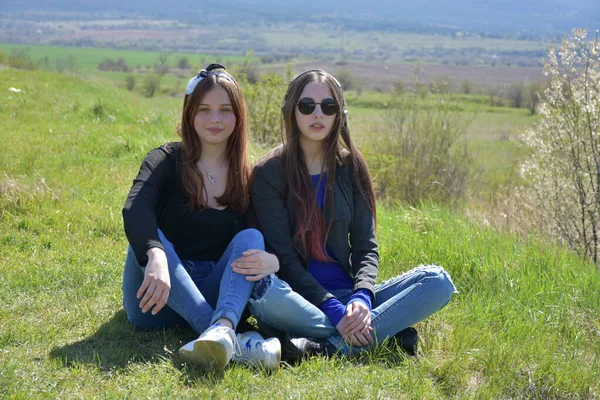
(318, 113)
(215, 116)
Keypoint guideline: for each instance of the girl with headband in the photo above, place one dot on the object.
(316, 207)
(185, 219)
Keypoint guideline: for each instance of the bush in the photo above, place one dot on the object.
(347, 80)
(441, 85)
(533, 93)
(151, 85)
(161, 67)
(563, 170)
(466, 86)
(118, 65)
(516, 94)
(130, 82)
(420, 155)
(20, 59)
(184, 63)
(263, 100)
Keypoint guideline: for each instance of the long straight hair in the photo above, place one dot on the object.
(236, 193)
(337, 146)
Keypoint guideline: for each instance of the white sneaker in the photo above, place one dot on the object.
(256, 351)
(213, 349)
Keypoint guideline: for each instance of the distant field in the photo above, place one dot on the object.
(335, 39)
(380, 76)
(284, 39)
(87, 59)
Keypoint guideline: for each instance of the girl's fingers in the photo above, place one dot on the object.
(143, 288)
(147, 295)
(254, 278)
(162, 301)
(251, 252)
(362, 340)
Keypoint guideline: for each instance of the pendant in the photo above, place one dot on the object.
(211, 178)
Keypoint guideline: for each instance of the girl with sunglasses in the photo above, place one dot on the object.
(315, 205)
(184, 219)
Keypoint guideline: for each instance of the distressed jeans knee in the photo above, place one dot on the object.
(260, 288)
(273, 302)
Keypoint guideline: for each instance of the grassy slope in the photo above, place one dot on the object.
(524, 325)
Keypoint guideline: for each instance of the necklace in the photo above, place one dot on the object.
(211, 177)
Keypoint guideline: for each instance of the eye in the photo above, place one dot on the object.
(226, 109)
(203, 109)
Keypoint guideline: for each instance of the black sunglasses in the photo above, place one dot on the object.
(307, 105)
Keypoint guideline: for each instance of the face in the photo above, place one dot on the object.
(215, 120)
(316, 126)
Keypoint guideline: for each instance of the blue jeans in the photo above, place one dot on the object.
(399, 303)
(201, 291)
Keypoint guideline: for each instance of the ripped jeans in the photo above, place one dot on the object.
(399, 303)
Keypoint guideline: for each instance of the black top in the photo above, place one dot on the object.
(156, 201)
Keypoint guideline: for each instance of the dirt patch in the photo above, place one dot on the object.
(371, 76)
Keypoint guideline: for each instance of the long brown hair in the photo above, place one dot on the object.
(312, 228)
(236, 193)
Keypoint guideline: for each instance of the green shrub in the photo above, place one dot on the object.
(108, 64)
(130, 82)
(347, 80)
(151, 85)
(421, 154)
(20, 59)
(263, 100)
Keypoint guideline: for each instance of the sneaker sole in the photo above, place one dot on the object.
(207, 354)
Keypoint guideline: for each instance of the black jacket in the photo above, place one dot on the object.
(351, 238)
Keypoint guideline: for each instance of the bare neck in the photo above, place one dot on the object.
(313, 156)
(213, 156)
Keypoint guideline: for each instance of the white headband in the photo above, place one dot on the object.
(210, 70)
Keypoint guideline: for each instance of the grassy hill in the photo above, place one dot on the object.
(525, 324)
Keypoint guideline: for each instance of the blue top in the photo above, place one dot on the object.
(331, 275)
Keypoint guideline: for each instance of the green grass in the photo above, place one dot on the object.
(87, 59)
(525, 324)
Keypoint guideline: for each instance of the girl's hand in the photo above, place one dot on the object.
(157, 282)
(256, 264)
(358, 324)
(362, 338)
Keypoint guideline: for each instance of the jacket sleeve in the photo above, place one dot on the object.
(364, 250)
(139, 212)
(268, 196)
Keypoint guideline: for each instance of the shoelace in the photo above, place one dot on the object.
(237, 347)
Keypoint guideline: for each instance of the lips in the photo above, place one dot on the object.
(317, 126)
(215, 130)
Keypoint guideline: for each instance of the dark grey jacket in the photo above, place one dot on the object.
(351, 238)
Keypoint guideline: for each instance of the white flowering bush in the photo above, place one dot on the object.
(564, 167)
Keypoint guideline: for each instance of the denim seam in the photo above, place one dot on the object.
(226, 312)
(422, 267)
